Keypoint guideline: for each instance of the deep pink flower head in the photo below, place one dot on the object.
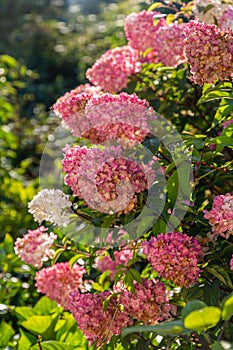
(35, 246)
(104, 178)
(71, 108)
(221, 215)
(209, 51)
(149, 304)
(98, 325)
(141, 31)
(174, 256)
(169, 43)
(105, 262)
(57, 281)
(112, 70)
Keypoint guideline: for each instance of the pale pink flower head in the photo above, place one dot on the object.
(209, 51)
(123, 117)
(209, 11)
(226, 20)
(221, 215)
(35, 246)
(149, 304)
(57, 281)
(71, 108)
(112, 70)
(98, 325)
(169, 43)
(106, 263)
(141, 31)
(174, 256)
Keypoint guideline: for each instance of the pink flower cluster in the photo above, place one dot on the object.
(226, 20)
(112, 70)
(100, 117)
(100, 177)
(221, 215)
(116, 170)
(209, 51)
(57, 281)
(35, 246)
(174, 256)
(105, 263)
(118, 116)
(71, 108)
(149, 304)
(141, 31)
(169, 43)
(98, 325)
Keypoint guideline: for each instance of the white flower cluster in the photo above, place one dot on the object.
(51, 205)
(209, 11)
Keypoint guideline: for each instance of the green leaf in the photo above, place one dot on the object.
(227, 310)
(26, 340)
(75, 258)
(69, 332)
(6, 333)
(211, 93)
(8, 244)
(203, 319)
(172, 188)
(57, 254)
(136, 275)
(46, 306)
(221, 274)
(55, 345)
(154, 6)
(41, 325)
(24, 312)
(165, 328)
(192, 306)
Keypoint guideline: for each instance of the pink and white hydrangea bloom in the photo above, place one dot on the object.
(98, 325)
(112, 70)
(141, 31)
(209, 51)
(124, 117)
(51, 205)
(174, 256)
(100, 117)
(71, 108)
(221, 215)
(35, 246)
(58, 281)
(169, 43)
(104, 178)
